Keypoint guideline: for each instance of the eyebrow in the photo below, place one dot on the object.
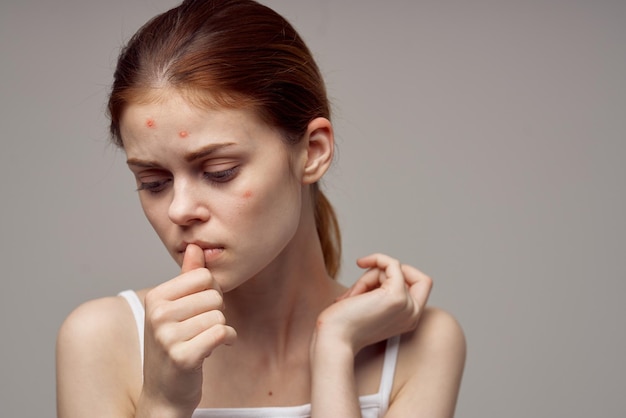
(206, 151)
(190, 157)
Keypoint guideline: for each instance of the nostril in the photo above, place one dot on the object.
(188, 213)
(187, 205)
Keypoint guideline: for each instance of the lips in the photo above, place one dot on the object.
(205, 246)
(212, 251)
(211, 254)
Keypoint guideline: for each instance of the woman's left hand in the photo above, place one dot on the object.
(387, 300)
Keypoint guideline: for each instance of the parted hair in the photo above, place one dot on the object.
(236, 54)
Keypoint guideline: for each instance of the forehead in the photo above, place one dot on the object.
(163, 96)
(174, 124)
(169, 107)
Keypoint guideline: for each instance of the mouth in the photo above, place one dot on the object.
(211, 255)
(211, 251)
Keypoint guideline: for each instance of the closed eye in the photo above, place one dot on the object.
(221, 176)
(154, 186)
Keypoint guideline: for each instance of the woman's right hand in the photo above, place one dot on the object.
(184, 324)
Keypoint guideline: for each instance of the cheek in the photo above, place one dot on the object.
(247, 203)
(269, 205)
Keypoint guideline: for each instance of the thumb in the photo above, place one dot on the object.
(193, 259)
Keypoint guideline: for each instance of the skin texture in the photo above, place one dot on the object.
(205, 203)
(232, 204)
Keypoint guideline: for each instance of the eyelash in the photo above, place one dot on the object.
(221, 176)
(154, 187)
(216, 177)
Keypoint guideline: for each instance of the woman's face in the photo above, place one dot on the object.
(221, 179)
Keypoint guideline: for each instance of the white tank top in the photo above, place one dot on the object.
(372, 406)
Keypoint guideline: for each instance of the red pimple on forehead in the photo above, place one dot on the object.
(183, 134)
(150, 123)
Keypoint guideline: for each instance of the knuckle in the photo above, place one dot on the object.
(219, 318)
(165, 336)
(428, 280)
(211, 319)
(215, 296)
(152, 298)
(159, 314)
(219, 334)
(180, 358)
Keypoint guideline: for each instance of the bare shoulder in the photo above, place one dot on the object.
(94, 326)
(97, 321)
(438, 332)
(430, 367)
(104, 313)
(98, 359)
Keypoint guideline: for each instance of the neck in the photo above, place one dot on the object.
(275, 312)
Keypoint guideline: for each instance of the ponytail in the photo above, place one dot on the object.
(328, 232)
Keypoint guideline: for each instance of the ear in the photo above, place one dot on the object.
(320, 147)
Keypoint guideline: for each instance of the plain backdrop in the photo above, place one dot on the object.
(481, 141)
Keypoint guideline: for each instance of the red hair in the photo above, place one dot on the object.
(233, 53)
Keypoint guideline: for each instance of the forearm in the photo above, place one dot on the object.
(334, 392)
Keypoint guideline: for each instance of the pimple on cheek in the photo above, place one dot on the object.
(183, 134)
(247, 194)
(150, 123)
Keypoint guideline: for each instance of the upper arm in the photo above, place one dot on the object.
(430, 368)
(98, 361)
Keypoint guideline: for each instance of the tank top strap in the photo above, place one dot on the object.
(139, 314)
(389, 371)
(389, 362)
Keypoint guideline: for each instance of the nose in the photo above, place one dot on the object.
(187, 206)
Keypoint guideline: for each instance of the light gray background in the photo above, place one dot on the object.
(483, 141)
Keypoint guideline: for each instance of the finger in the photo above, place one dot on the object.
(194, 304)
(389, 265)
(190, 354)
(413, 275)
(193, 258)
(368, 281)
(186, 284)
(198, 324)
(172, 333)
(212, 338)
(419, 284)
(377, 260)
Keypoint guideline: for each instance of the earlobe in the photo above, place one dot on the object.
(320, 143)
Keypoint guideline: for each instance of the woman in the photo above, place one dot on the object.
(224, 119)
